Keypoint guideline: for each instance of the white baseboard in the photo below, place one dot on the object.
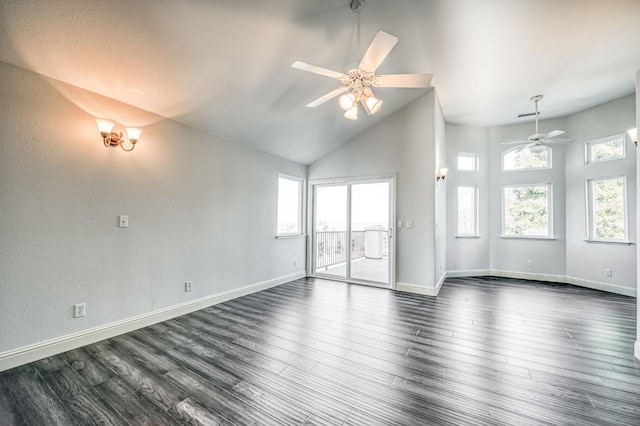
(417, 289)
(468, 273)
(596, 285)
(529, 276)
(36, 351)
(636, 349)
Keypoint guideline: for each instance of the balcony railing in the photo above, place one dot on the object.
(331, 246)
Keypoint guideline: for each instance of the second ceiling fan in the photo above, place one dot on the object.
(538, 139)
(359, 80)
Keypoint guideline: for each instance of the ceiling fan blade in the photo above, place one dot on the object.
(553, 134)
(403, 80)
(316, 70)
(328, 96)
(558, 140)
(513, 142)
(378, 50)
(531, 145)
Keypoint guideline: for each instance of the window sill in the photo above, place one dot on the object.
(467, 236)
(621, 243)
(286, 237)
(524, 237)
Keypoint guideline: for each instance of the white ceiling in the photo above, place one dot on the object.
(223, 65)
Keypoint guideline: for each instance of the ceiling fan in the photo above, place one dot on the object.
(538, 139)
(359, 80)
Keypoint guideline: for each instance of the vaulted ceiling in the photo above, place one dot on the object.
(224, 65)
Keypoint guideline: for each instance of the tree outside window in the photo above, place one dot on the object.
(527, 211)
(607, 209)
(538, 157)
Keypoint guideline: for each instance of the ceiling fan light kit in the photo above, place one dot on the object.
(358, 81)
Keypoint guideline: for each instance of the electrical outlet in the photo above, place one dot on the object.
(608, 273)
(79, 310)
(187, 285)
(530, 263)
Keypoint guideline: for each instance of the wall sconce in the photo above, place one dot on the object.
(633, 134)
(114, 139)
(441, 173)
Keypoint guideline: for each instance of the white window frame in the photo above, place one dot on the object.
(588, 145)
(549, 235)
(476, 161)
(301, 187)
(590, 219)
(476, 221)
(549, 159)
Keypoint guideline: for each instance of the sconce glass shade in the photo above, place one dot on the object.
(104, 126)
(134, 134)
(352, 113)
(373, 105)
(443, 172)
(633, 134)
(346, 101)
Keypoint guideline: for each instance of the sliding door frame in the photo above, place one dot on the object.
(311, 226)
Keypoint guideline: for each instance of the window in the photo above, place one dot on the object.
(468, 162)
(606, 209)
(537, 157)
(289, 206)
(605, 149)
(467, 211)
(527, 211)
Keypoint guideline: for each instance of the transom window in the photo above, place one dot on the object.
(468, 161)
(527, 211)
(606, 209)
(610, 148)
(537, 157)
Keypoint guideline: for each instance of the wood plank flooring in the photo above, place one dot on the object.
(314, 352)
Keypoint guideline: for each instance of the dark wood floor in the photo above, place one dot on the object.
(314, 352)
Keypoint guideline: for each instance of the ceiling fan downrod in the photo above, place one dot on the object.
(535, 100)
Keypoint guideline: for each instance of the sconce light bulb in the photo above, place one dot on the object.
(104, 126)
(134, 134)
(633, 134)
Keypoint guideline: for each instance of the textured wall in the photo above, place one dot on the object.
(200, 208)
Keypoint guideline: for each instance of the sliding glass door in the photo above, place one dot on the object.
(352, 231)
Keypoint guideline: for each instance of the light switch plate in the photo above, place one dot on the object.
(124, 221)
(409, 224)
(399, 224)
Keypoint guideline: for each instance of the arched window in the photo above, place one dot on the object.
(536, 157)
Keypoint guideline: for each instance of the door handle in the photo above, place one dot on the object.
(389, 231)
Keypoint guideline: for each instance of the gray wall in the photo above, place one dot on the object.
(587, 261)
(402, 144)
(511, 254)
(467, 255)
(200, 208)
